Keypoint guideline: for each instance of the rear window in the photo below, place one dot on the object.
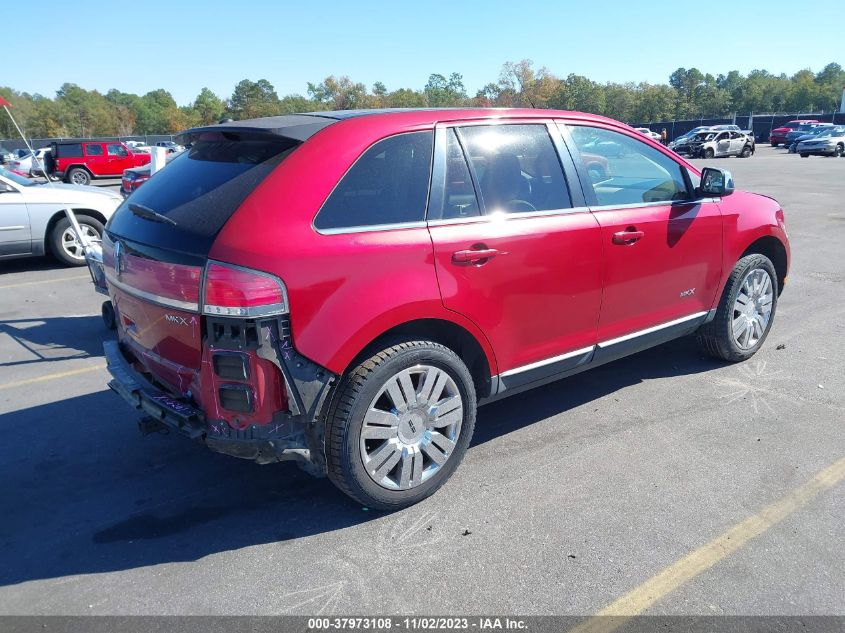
(199, 191)
(69, 150)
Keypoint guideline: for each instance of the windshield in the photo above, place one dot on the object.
(199, 191)
(18, 180)
(830, 132)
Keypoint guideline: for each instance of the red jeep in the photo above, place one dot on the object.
(344, 288)
(79, 162)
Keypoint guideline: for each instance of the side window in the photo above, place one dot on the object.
(517, 168)
(388, 184)
(634, 173)
(116, 149)
(93, 149)
(459, 200)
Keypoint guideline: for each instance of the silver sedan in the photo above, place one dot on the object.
(33, 222)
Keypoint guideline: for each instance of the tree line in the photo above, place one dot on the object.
(689, 93)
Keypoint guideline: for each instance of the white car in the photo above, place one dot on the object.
(26, 165)
(33, 222)
(137, 147)
(646, 132)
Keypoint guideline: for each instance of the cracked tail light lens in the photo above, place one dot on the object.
(240, 292)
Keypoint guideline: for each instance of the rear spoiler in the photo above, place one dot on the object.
(294, 127)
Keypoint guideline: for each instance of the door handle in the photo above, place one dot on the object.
(474, 255)
(627, 237)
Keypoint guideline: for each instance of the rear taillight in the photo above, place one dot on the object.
(241, 292)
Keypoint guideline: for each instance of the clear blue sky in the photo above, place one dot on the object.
(183, 45)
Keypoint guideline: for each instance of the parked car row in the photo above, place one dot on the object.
(778, 135)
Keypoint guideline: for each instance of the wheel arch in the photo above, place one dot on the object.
(447, 333)
(78, 166)
(774, 249)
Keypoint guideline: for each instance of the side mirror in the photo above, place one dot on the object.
(716, 182)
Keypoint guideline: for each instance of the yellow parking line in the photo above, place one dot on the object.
(639, 599)
(61, 374)
(44, 281)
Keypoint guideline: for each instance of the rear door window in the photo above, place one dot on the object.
(516, 167)
(199, 191)
(387, 185)
(93, 149)
(68, 150)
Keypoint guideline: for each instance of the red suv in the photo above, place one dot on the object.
(778, 135)
(344, 288)
(79, 162)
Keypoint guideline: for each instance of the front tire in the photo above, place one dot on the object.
(63, 241)
(746, 311)
(400, 425)
(708, 153)
(838, 150)
(746, 152)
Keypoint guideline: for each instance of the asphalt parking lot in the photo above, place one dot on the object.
(571, 496)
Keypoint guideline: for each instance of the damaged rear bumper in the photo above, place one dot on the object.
(287, 437)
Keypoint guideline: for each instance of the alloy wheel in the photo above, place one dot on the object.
(411, 427)
(79, 178)
(752, 308)
(71, 245)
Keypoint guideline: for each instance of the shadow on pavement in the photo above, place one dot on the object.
(30, 264)
(85, 494)
(54, 339)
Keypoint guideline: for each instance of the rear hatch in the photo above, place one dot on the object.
(156, 247)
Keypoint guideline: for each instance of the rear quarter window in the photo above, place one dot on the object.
(387, 185)
(69, 150)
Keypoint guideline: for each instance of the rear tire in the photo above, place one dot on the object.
(805, 155)
(748, 304)
(63, 243)
(408, 450)
(79, 176)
